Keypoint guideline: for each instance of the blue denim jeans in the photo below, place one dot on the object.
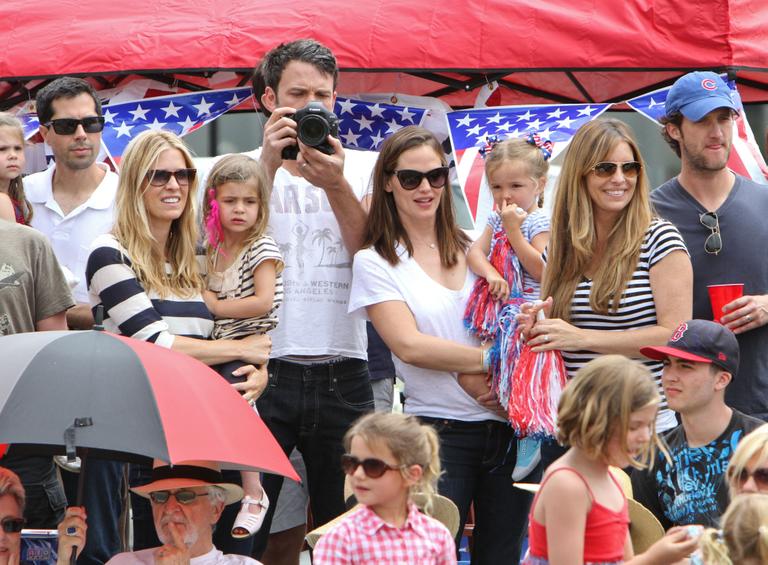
(311, 407)
(477, 460)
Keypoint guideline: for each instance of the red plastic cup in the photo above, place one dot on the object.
(722, 294)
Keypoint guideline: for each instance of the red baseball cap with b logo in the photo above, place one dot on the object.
(702, 341)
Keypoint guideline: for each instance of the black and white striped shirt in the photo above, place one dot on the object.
(636, 308)
(237, 282)
(130, 310)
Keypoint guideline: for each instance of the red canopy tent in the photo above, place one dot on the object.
(539, 51)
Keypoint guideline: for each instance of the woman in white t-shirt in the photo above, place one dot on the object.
(413, 281)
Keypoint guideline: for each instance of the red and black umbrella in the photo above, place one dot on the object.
(121, 397)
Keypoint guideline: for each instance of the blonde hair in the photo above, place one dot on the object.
(239, 169)
(518, 149)
(132, 228)
(573, 238)
(752, 446)
(744, 536)
(384, 228)
(598, 402)
(10, 485)
(16, 186)
(410, 441)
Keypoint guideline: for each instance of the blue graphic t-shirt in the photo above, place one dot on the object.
(692, 488)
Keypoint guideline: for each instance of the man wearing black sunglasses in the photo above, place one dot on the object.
(318, 376)
(700, 361)
(721, 216)
(73, 203)
(73, 200)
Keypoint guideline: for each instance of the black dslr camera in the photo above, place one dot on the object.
(313, 124)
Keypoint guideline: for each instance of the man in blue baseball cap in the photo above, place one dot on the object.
(721, 216)
(700, 361)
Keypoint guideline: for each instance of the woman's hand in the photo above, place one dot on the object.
(72, 530)
(474, 384)
(255, 382)
(549, 334)
(256, 349)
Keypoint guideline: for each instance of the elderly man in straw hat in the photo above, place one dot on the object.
(187, 500)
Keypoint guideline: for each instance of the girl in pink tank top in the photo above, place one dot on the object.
(579, 516)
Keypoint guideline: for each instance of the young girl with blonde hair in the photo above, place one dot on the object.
(606, 415)
(14, 205)
(389, 458)
(744, 537)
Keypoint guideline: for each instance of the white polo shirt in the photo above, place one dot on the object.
(71, 235)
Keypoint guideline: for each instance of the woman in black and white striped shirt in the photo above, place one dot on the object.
(617, 278)
(147, 276)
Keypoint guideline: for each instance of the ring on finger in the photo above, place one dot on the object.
(71, 531)
(546, 338)
(749, 318)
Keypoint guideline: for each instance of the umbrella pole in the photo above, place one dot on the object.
(80, 492)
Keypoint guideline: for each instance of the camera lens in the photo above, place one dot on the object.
(313, 130)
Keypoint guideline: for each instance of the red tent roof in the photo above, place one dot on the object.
(556, 50)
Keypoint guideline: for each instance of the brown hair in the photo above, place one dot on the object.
(243, 170)
(384, 228)
(16, 186)
(676, 119)
(410, 441)
(518, 149)
(598, 402)
(573, 237)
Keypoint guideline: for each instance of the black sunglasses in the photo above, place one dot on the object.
(181, 496)
(373, 468)
(12, 525)
(605, 169)
(714, 242)
(410, 179)
(759, 475)
(68, 126)
(159, 177)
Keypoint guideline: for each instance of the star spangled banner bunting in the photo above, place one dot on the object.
(745, 158)
(30, 124)
(178, 113)
(470, 130)
(365, 125)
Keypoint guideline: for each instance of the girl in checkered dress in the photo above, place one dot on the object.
(390, 457)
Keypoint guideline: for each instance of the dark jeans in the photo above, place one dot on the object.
(311, 407)
(45, 500)
(145, 535)
(477, 460)
(103, 501)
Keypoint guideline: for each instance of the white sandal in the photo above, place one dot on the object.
(247, 523)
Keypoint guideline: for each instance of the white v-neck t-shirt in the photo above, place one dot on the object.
(438, 311)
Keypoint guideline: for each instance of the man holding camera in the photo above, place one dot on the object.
(318, 374)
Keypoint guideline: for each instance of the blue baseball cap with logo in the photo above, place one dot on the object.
(701, 341)
(698, 93)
